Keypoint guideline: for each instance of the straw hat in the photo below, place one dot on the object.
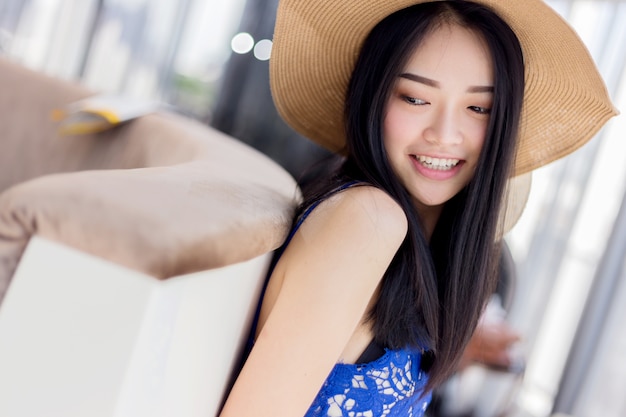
(516, 196)
(316, 43)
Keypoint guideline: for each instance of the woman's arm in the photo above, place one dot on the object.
(330, 271)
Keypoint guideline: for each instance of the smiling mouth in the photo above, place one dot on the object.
(439, 164)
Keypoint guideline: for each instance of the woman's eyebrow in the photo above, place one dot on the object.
(432, 83)
(420, 79)
(480, 89)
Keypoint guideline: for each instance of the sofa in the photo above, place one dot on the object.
(131, 260)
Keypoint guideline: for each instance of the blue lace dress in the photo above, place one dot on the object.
(390, 386)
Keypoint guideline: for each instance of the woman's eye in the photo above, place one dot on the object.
(414, 101)
(480, 110)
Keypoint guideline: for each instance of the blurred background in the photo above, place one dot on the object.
(209, 59)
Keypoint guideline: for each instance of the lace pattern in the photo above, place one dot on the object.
(389, 386)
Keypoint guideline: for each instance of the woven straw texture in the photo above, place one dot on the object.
(316, 43)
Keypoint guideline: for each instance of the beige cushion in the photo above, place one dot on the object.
(164, 194)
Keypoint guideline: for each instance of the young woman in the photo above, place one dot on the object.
(382, 281)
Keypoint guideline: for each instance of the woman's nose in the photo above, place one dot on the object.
(443, 128)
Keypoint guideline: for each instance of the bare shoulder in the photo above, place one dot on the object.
(363, 212)
(318, 295)
(374, 207)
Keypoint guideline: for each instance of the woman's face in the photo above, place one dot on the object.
(437, 115)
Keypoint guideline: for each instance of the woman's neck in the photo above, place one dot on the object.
(429, 215)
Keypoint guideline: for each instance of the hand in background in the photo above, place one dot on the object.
(493, 342)
(491, 346)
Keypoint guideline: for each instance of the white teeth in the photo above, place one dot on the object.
(441, 164)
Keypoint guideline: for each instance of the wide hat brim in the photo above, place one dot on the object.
(316, 43)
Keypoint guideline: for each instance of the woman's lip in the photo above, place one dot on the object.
(436, 174)
(433, 156)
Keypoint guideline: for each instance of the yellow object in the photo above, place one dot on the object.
(101, 112)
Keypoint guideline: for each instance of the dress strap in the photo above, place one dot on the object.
(312, 207)
(280, 251)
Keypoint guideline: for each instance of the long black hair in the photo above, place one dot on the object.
(433, 293)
